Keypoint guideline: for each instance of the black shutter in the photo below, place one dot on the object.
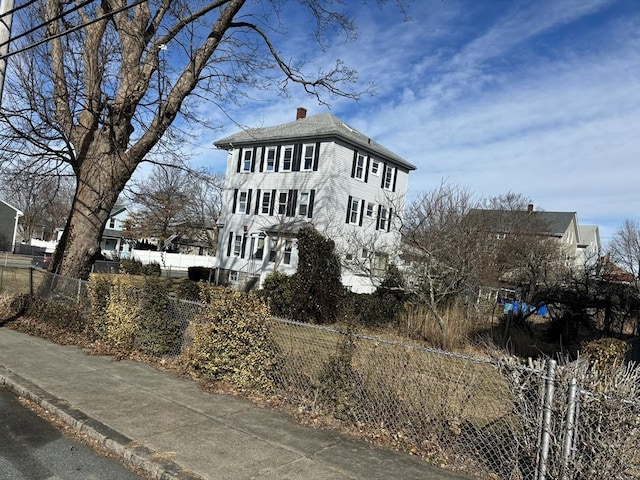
(248, 210)
(395, 175)
(361, 212)
(273, 201)
(257, 209)
(378, 217)
(288, 211)
(297, 154)
(384, 174)
(353, 165)
(229, 244)
(253, 159)
(235, 200)
(389, 220)
(294, 203)
(348, 208)
(312, 195)
(316, 156)
(366, 172)
(244, 245)
(262, 153)
(277, 159)
(239, 160)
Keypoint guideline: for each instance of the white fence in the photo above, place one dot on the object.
(173, 261)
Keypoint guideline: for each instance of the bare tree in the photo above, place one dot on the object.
(101, 94)
(44, 200)
(624, 249)
(443, 247)
(161, 201)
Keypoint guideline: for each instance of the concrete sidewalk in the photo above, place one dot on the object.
(168, 426)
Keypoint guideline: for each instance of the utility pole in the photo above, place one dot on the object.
(6, 16)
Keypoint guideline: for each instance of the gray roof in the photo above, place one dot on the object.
(315, 127)
(553, 223)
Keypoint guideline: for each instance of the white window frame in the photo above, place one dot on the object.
(283, 158)
(265, 206)
(282, 205)
(389, 175)
(112, 222)
(375, 168)
(307, 158)
(303, 207)
(247, 160)
(286, 254)
(237, 245)
(354, 211)
(382, 221)
(270, 159)
(361, 163)
(370, 210)
(243, 197)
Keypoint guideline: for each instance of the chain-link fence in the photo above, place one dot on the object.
(495, 419)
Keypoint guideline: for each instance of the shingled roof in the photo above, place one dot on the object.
(315, 127)
(554, 223)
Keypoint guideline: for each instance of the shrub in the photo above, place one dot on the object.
(58, 314)
(151, 269)
(233, 341)
(12, 306)
(131, 266)
(318, 287)
(98, 291)
(278, 289)
(606, 353)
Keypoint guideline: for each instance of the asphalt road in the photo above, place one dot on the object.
(33, 449)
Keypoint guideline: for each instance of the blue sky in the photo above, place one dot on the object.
(538, 97)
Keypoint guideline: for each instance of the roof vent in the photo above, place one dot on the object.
(301, 113)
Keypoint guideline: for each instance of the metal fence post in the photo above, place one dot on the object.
(545, 433)
(31, 281)
(569, 427)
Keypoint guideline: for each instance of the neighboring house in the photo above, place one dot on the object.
(315, 170)
(9, 216)
(112, 243)
(580, 243)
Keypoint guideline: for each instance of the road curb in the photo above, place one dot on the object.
(120, 445)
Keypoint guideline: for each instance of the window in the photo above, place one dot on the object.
(112, 222)
(282, 203)
(379, 266)
(389, 173)
(375, 168)
(247, 160)
(260, 248)
(266, 203)
(365, 253)
(237, 245)
(233, 276)
(360, 163)
(271, 159)
(304, 204)
(309, 153)
(286, 259)
(370, 209)
(349, 257)
(382, 219)
(354, 210)
(287, 158)
(242, 202)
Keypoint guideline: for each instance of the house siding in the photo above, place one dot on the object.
(329, 185)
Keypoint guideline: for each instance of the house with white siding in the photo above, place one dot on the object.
(315, 170)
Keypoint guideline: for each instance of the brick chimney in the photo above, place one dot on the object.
(301, 113)
(530, 208)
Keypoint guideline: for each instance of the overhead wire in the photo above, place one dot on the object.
(69, 30)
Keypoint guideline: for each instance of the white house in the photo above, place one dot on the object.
(315, 170)
(9, 216)
(112, 243)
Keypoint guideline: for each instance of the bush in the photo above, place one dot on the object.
(151, 269)
(278, 289)
(58, 315)
(137, 317)
(98, 291)
(131, 266)
(232, 341)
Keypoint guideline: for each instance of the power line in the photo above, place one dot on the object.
(71, 30)
(57, 17)
(19, 7)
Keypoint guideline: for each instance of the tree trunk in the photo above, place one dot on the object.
(100, 179)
